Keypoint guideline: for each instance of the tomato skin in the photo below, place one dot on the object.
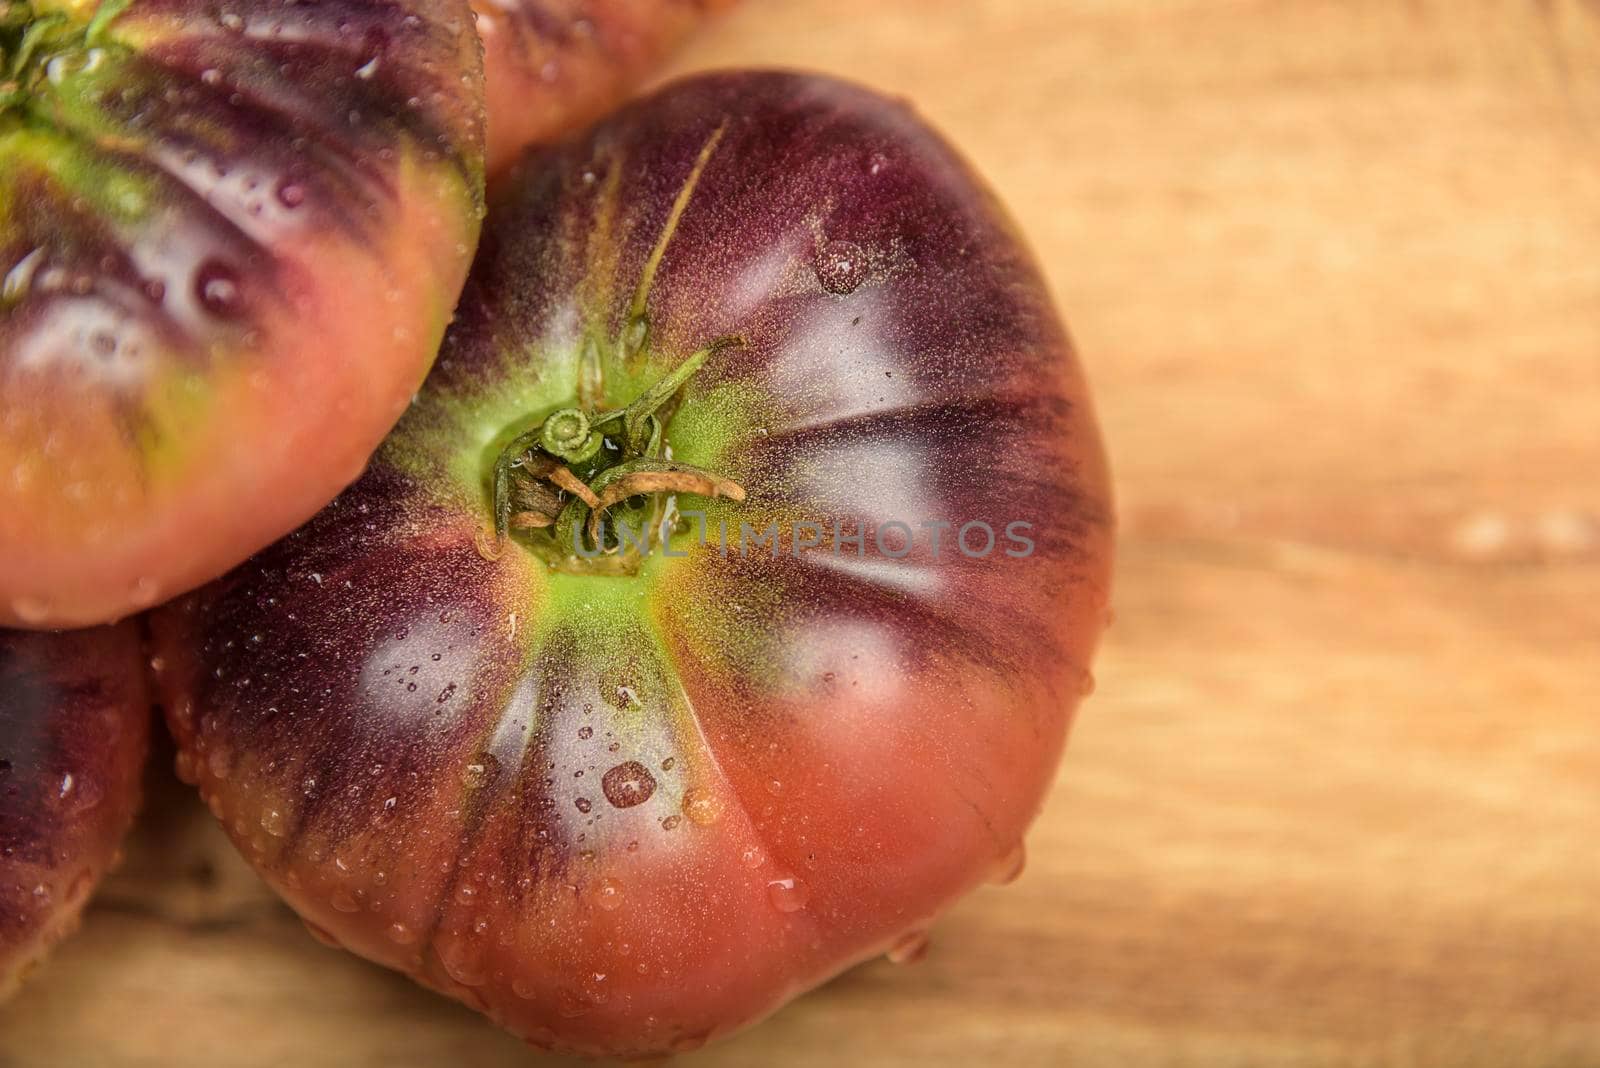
(624, 815)
(74, 726)
(231, 238)
(557, 65)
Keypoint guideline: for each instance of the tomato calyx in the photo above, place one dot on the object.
(556, 483)
(36, 33)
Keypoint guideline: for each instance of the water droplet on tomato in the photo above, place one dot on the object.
(145, 592)
(274, 823)
(482, 771)
(908, 948)
(608, 894)
(344, 901)
(701, 806)
(628, 784)
(31, 610)
(585, 733)
(219, 290)
(753, 857)
(584, 804)
(463, 960)
(400, 934)
(79, 888)
(788, 894)
(1009, 869)
(841, 267)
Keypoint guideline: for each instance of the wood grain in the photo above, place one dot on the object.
(1332, 266)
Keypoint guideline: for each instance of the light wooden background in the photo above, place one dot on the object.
(1334, 268)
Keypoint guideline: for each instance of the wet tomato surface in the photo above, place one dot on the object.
(74, 724)
(231, 237)
(625, 795)
(556, 65)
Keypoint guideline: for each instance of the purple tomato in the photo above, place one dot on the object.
(715, 618)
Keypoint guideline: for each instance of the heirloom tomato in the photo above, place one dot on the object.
(714, 619)
(555, 65)
(231, 237)
(74, 722)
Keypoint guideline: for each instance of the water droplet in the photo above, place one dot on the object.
(344, 901)
(585, 733)
(788, 894)
(701, 806)
(400, 934)
(753, 857)
(145, 592)
(482, 771)
(219, 761)
(841, 267)
(908, 948)
(31, 610)
(671, 822)
(463, 960)
(524, 988)
(219, 290)
(1009, 869)
(584, 804)
(628, 784)
(79, 888)
(291, 195)
(608, 894)
(274, 823)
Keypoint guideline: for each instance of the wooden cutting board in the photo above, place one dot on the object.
(1334, 268)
